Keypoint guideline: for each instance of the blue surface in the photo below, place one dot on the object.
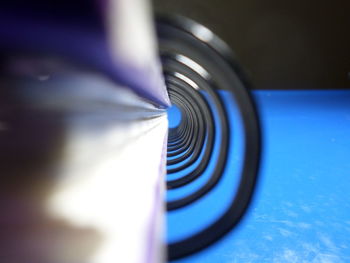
(196, 215)
(174, 114)
(301, 209)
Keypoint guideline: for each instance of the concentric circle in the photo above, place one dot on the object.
(197, 65)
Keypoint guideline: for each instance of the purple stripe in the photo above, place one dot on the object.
(83, 46)
(150, 257)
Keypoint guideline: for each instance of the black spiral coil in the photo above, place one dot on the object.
(196, 65)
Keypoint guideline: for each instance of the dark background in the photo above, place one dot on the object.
(282, 44)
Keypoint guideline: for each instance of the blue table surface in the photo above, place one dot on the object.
(301, 208)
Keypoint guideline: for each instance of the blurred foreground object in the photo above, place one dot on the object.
(82, 133)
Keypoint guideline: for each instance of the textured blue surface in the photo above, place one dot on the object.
(301, 209)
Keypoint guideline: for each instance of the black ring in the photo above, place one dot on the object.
(195, 52)
(194, 151)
